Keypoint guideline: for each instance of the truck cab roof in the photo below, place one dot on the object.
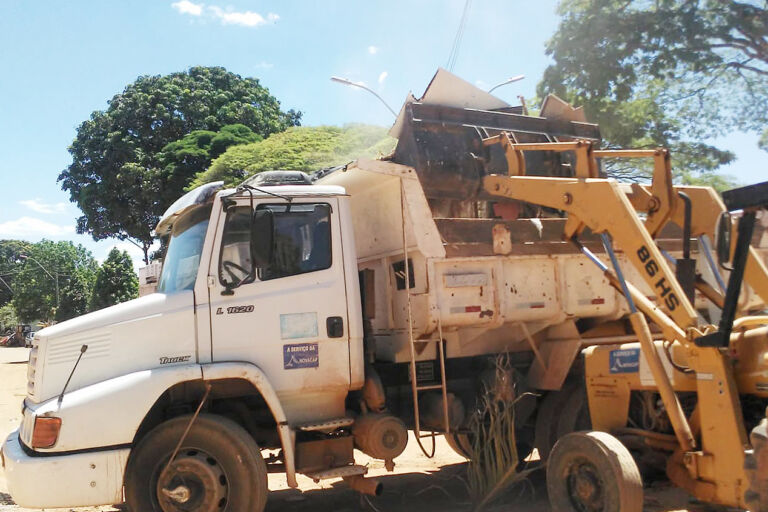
(206, 193)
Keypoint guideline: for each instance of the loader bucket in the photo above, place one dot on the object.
(444, 145)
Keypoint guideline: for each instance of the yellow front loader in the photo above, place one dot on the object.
(683, 392)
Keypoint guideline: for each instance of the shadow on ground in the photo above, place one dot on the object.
(430, 491)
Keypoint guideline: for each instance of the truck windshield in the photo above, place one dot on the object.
(184, 249)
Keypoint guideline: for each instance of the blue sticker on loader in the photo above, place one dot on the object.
(300, 355)
(624, 360)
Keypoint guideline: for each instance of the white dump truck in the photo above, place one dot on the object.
(305, 319)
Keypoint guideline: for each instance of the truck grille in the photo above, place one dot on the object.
(31, 369)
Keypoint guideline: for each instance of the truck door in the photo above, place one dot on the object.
(290, 319)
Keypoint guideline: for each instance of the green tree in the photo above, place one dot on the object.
(10, 264)
(116, 281)
(116, 176)
(664, 73)
(8, 318)
(49, 263)
(300, 149)
(193, 153)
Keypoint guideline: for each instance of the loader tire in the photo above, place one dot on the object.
(218, 468)
(756, 466)
(593, 472)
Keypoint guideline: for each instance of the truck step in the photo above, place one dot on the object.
(342, 471)
(326, 425)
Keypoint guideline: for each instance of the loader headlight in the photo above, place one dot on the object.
(46, 432)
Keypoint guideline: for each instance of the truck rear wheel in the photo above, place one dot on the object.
(218, 468)
(460, 443)
(593, 472)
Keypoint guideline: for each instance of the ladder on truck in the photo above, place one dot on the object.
(415, 387)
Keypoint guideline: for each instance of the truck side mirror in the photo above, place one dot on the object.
(723, 239)
(262, 238)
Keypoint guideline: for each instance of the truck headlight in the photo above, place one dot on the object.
(46, 432)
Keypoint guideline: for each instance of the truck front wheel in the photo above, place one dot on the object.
(218, 468)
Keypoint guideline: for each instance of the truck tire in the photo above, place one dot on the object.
(574, 416)
(593, 472)
(547, 418)
(218, 468)
(460, 443)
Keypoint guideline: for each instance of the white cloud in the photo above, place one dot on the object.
(373, 50)
(37, 205)
(383, 76)
(225, 16)
(30, 227)
(187, 7)
(242, 18)
(264, 65)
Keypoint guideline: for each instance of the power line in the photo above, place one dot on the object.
(459, 36)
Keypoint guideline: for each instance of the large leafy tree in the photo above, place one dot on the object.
(10, 265)
(194, 152)
(300, 149)
(47, 264)
(116, 281)
(119, 176)
(664, 72)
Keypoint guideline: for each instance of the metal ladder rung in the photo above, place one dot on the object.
(429, 387)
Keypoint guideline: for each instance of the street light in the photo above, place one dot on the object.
(346, 81)
(507, 81)
(56, 278)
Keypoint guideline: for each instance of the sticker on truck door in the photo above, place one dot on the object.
(624, 360)
(300, 355)
(298, 325)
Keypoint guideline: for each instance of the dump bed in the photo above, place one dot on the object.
(439, 259)
(489, 285)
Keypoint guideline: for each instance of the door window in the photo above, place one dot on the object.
(302, 242)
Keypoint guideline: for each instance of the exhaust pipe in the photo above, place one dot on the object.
(370, 486)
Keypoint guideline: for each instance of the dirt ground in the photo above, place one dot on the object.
(418, 483)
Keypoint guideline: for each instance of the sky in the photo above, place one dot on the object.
(60, 61)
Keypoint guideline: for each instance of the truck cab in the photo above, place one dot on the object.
(257, 313)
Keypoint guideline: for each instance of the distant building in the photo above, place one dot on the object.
(148, 278)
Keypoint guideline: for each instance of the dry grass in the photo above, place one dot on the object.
(494, 464)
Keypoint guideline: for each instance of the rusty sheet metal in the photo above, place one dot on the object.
(444, 145)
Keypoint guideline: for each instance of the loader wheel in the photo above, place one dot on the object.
(218, 468)
(756, 466)
(593, 472)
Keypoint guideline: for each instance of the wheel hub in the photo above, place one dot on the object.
(585, 487)
(195, 482)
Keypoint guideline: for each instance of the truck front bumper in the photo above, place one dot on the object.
(89, 478)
